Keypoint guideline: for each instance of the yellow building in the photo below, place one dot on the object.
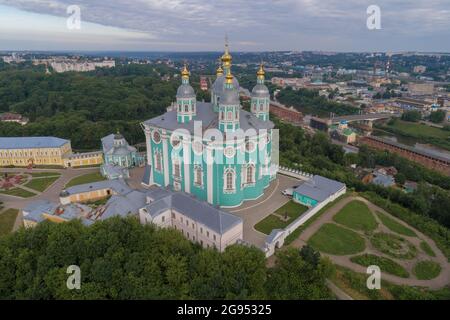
(43, 151)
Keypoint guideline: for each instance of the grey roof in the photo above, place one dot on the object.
(118, 186)
(31, 142)
(383, 180)
(35, 209)
(273, 236)
(218, 85)
(123, 205)
(111, 149)
(215, 219)
(209, 119)
(260, 91)
(229, 96)
(185, 91)
(319, 188)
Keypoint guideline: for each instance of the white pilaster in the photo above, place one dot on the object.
(166, 158)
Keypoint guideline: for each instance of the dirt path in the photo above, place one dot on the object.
(441, 281)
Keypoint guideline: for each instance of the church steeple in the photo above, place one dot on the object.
(229, 105)
(260, 96)
(186, 98)
(227, 58)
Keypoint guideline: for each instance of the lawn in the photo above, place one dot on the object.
(418, 129)
(44, 174)
(385, 264)
(7, 220)
(427, 249)
(41, 184)
(296, 233)
(293, 211)
(18, 193)
(394, 226)
(333, 239)
(87, 178)
(356, 215)
(393, 245)
(426, 270)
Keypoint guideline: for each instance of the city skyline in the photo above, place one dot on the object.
(193, 25)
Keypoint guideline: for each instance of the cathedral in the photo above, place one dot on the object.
(215, 151)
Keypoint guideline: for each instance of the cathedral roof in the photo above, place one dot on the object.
(209, 119)
(260, 91)
(229, 96)
(185, 91)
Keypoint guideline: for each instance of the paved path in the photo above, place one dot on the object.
(254, 211)
(441, 281)
(52, 193)
(338, 292)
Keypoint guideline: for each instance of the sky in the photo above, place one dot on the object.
(201, 25)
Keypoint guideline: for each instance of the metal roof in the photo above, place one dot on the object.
(319, 188)
(31, 142)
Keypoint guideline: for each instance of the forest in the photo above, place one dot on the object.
(309, 102)
(122, 259)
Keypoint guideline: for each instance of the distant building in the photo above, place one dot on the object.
(421, 88)
(43, 151)
(320, 124)
(203, 84)
(342, 133)
(413, 104)
(419, 69)
(13, 117)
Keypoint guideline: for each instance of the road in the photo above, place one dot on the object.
(51, 194)
(254, 211)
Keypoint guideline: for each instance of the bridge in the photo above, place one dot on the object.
(364, 117)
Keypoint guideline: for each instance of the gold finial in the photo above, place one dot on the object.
(261, 73)
(219, 71)
(229, 77)
(185, 72)
(227, 58)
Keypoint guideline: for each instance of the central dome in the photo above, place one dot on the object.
(185, 91)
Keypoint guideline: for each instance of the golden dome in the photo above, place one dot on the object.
(219, 71)
(185, 72)
(261, 73)
(227, 58)
(229, 77)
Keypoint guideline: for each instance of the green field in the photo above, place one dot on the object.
(41, 184)
(293, 211)
(420, 133)
(394, 226)
(385, 264)
(18, 193)
(427, 249)
(7, 220)
(426, 270)
(356, 215)
(87, 178)
(393, 245)
(44, 174)
(333, 239)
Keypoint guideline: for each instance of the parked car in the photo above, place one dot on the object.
(288, 192)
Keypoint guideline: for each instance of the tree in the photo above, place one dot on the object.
(437, 116)
(411, 116)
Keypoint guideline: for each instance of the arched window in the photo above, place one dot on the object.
(230, 115)
(229, 180)
(261, 107)
(198, 175)
(176, 168)
(250, 174)
(186, 108)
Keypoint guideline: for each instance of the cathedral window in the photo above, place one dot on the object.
(230, 178)
(230, 115)
(250, 174)
(176, 168)
(186, 108)
(198, 175)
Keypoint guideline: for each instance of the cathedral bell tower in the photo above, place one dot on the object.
(186, 99)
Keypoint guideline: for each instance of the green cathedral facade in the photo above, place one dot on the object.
(215, 151)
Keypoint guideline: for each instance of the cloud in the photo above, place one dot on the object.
(273, 24)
